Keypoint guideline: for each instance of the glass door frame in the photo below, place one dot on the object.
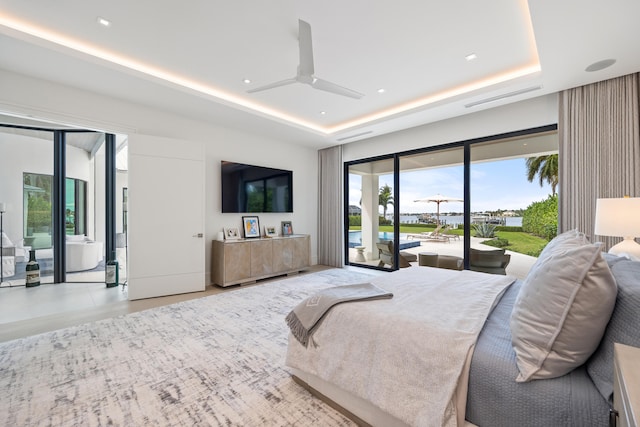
(466, 146)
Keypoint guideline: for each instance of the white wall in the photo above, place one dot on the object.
(527, 114)
(45, 100)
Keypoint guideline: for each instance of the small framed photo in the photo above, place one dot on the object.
(231, 233)
(251, 226)
(270, 231)
(287, 228)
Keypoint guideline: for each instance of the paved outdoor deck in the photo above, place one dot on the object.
(519, 265)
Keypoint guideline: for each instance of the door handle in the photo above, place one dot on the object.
(199, 235)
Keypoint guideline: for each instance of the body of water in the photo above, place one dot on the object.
(515, 221)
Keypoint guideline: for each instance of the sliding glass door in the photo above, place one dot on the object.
(446, 202)
(431, 206)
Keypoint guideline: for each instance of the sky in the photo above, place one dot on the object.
(494, 185)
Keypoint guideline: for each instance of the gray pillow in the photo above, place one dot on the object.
(562, 309)
(624, 326)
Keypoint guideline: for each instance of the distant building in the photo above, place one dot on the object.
(354, 210)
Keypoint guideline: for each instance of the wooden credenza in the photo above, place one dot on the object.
(235, 262)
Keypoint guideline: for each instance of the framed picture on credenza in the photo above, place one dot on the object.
(251, 226)
(287, 228)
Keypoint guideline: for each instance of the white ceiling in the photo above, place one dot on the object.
(191, 57)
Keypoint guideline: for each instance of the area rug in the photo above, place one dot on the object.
(212, 361)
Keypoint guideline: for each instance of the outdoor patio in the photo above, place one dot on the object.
(519, 265)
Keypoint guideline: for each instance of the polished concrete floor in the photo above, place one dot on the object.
(29, 311)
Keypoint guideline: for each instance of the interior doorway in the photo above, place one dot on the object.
(28, 172)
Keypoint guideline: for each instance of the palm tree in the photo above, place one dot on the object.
(385, 198)
(546, 167)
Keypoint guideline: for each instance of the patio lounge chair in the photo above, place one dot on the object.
(385, 248)
(449, 235)
(431, 236)
(493, 261)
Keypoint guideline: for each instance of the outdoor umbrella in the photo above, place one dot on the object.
(437, 199)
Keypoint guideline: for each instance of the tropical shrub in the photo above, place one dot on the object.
(541, 218)
(383, 221)
(355, 220)
(498, 242)
(485, 230)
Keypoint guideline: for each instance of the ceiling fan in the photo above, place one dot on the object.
(305, 69)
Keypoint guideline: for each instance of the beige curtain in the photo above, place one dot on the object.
(330, 207)
(599, 134)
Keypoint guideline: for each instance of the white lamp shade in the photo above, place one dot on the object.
(618, 217)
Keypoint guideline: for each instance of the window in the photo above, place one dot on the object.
(37, 195)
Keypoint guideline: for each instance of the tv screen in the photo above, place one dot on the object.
(248, 188)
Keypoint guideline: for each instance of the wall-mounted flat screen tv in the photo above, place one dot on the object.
(248, 188)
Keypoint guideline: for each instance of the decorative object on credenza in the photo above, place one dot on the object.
(231, 233)
(270, 231)
(32, 270)
(111, 271)
(251, 226)
(620, 217)
(287, 228)
(220, 236)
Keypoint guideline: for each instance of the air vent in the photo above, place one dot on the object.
(503, 96)
(355, 135)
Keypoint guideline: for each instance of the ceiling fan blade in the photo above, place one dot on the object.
(272, 85)
(306, 49)
(334, 88)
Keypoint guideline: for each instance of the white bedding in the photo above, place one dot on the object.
(405, 355)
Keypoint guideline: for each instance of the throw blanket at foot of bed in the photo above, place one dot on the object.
(405, 355)
(305, 318)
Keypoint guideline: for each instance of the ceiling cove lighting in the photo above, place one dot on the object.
(233, 100)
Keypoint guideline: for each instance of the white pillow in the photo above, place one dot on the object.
(562, 309)
(75, 238)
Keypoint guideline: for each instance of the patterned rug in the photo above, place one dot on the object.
(212, 361)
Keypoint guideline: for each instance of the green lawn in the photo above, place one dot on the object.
(523, 243)
(520, 242)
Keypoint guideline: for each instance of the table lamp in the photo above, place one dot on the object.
(620, 217)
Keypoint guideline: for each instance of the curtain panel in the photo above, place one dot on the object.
(599, 152)
(330, 207)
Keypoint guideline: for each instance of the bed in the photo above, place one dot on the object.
(490, 388)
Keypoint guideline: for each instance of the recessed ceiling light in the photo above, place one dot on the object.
(246, 81)
(322, 113)
(600, 65)
(471, 57)
(381, 90)
(103, 21)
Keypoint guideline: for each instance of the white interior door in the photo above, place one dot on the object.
(166, 217)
